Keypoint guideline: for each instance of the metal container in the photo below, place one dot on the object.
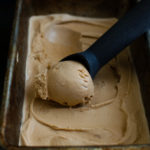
(13, 94)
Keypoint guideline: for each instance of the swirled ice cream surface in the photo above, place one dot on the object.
(114, 116)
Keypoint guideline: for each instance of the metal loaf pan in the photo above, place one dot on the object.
(13, 94)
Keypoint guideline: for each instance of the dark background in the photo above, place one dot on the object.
(7, 8)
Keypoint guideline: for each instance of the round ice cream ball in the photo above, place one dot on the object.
(70, 84)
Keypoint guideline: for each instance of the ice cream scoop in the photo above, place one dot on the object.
(67, 90)
(128, 28)
(69, 83)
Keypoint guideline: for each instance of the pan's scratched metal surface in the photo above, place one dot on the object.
(9, 88)
(13, 95)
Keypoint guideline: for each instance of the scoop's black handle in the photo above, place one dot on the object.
(127, 29)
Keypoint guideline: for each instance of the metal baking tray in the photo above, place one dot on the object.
(13, 93)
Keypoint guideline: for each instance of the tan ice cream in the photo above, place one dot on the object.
(69, 83)
(115, 115)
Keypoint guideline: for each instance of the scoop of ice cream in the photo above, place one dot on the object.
(69, 83)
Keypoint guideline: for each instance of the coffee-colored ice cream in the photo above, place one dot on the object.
(69, 83)
(115, 115)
